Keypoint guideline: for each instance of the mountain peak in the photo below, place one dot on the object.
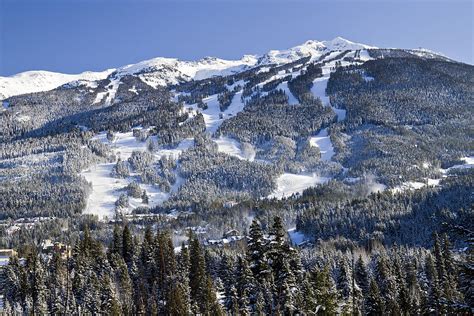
(163, 71)
(340, 43)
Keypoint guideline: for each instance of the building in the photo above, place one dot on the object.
(49, 248)
(5, 255)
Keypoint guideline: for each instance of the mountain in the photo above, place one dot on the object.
(212, 132)
(36, 81)
(164, 71)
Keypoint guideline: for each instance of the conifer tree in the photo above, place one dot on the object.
(361, 275)
(374, 303)
(127, 245)
(387, 285)
(256, 252)
(183, 265)
(325, 290)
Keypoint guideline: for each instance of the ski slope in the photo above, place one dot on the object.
(107, 189)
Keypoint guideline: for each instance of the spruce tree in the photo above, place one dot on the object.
(373, 302)
(325, 290)
(256, 252)
(127, 245)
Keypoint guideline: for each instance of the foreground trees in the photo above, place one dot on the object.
(153, 277)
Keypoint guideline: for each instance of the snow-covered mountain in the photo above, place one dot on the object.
(310, 48)
(163, 71)
(36, 81)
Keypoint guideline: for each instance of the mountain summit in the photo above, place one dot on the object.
(162, 71)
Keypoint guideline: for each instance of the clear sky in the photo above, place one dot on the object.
(72, 36)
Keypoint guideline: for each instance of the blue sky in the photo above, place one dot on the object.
(72, 36)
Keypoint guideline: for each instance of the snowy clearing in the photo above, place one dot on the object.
(232, 147)
(416, 185)
(323, 142)
(289, 183)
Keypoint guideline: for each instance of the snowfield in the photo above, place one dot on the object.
(289, 183)
(213, 116)
(162, 71)
(107, 189)
(36, 81)
(296, 237)
(232, 147)
(323, 142)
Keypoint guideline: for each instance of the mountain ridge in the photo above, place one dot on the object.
(172, 70)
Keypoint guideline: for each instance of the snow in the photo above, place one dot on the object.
(468, 163)
(312, 48)
(232, 147)
(212, 113)
(23, 118)
(289, 183)
(416, 185)
(106, 189)
(291, 98)
(319, 89)
(164, 71)
(323, 142)
(36, 81)
(134, 90)
(109, 94)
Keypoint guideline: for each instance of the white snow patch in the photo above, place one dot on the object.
(106, 189)
(323, 142)
(212, 115)
(416, 185)
(36, 81)
(319, 89)
(289, 183)
(291, 98)
(232, 147)
(134, 90)
(23, 118)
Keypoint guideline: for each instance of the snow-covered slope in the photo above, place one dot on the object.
(164, 71)
(36, 81)
(310, 48)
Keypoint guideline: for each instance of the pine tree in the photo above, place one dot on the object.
(198, 280)
(116, 246)
(403, 298)
(434, 302)
(413, 289)
(145, 199)
(374, 303)
(57, 286)
(450, 286)
(127, 245)
(36, 279)
(325, 290)
(344, 285)
(387, 285)
(256, 252)
(361, 275)
(310, 303)
(226, 274)
(245, 284)
(183, 277)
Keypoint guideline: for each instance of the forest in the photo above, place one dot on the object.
(146, 274)
(384, 225)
